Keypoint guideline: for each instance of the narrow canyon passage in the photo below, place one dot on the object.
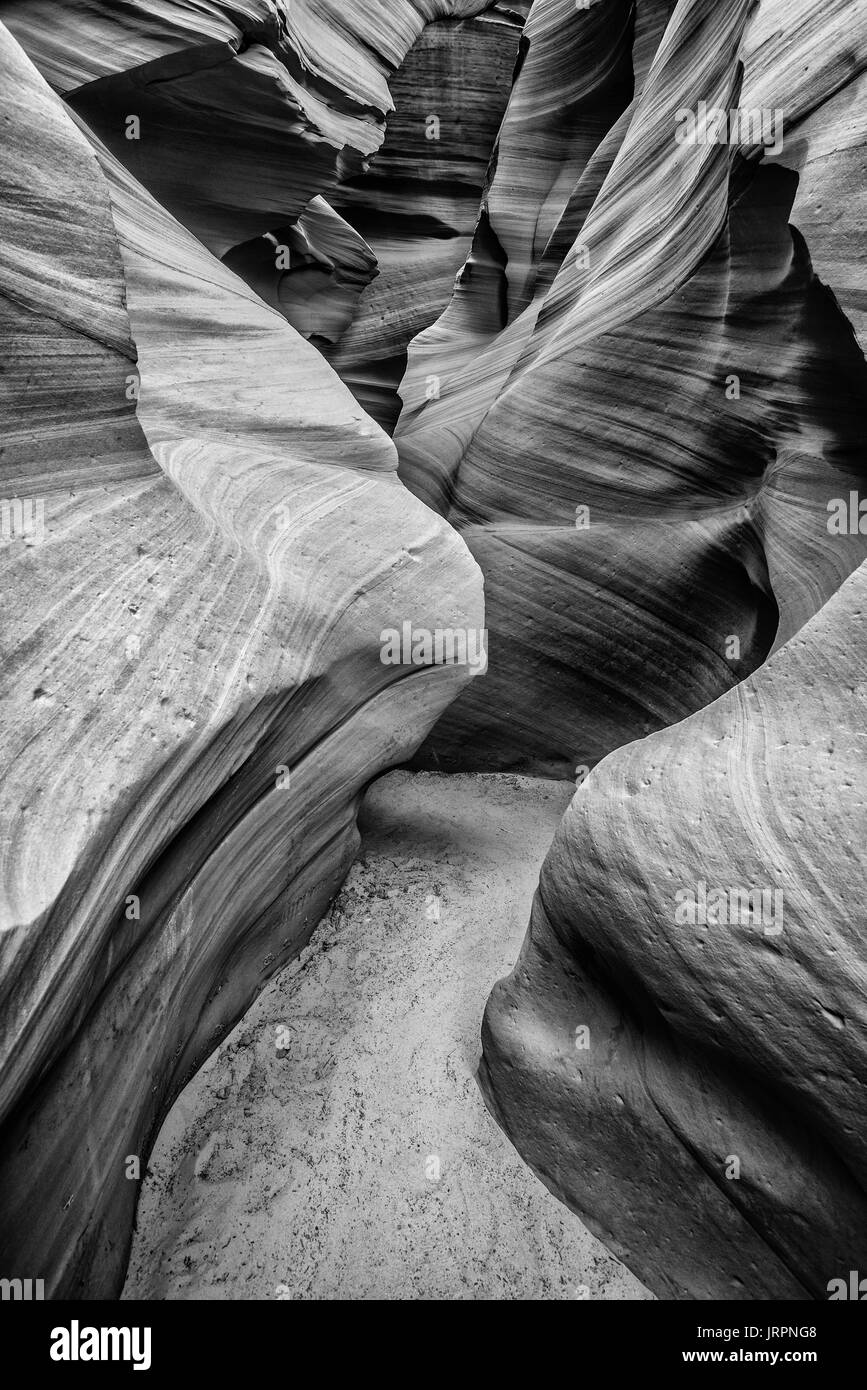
(337, 1145)
(340, 344)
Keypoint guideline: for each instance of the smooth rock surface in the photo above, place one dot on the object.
(246, 114)
(648, 395)
(708, 1042)
(632, 415)
(193, 691)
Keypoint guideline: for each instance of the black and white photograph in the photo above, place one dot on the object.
(433, 618)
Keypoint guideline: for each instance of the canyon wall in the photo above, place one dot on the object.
(681, 1050)
(623, 368)
(193, 693)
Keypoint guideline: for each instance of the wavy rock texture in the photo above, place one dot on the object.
(630, 511)
(708, 1043)
(639, 397)
(418, 205)
(204, 609)
(695, 1092)
(246, 112)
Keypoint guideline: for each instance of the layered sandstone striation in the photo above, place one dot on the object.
(648, 391)
(418, 203)
(193, 692)
(257, 125)
(632, 404)
(681, 1050)
(695, 1089)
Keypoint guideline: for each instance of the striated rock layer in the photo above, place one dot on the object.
(193, 696)
(681, 1050)
(240, 119)
(641, 405)
(696, 1090)
(418, 205)
(647, 393)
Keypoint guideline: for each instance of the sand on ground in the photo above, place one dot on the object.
(336, 1145)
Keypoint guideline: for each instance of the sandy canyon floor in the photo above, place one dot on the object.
(337, 1145)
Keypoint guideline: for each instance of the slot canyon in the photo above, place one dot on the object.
(432, 439)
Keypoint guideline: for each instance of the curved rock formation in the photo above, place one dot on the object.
(193, 691)
(236, 119)
(647, 394)
(693, 1082)
(417, 206)
(639, 414)
(681, 1050)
